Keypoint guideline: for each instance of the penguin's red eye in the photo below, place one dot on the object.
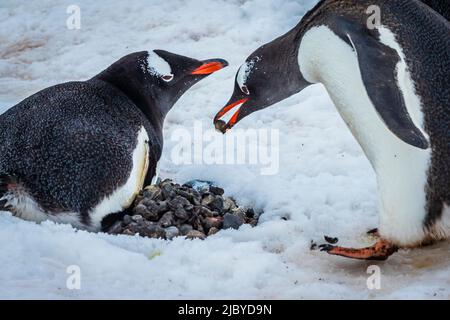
(245, 90)
(168, 78)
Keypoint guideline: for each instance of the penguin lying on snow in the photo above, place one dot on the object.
(80, 151)
(391, 85)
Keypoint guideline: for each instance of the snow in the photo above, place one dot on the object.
(4, 106)
(325, 185)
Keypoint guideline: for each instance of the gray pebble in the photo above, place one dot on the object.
(126, 219)
(212, 231)
(181, 214)
(204, 211)
(168, 191)
(162, 207)
(208, 199)
(128, 232)
(152, 231)
(148, 211)
(140, 209)
(228, 204)
(184, 194)
(172, 232)
(196, 201)
(239, 212)
(216, 190)
(166, 220)
(198, 185)
(153, 192)
(194, 234)
(212, 222)
(137, 218)
(178, 202)
(232, 221)
(185, 229)
(217, 204)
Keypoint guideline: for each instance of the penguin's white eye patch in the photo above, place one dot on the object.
(159, 67)
(244, 73)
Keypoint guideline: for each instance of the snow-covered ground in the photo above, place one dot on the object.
(325, 185)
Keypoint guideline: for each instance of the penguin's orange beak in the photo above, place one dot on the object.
(223, 126)
(210, 67)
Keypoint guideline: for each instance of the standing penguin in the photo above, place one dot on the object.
(390, 83)
(80, 151)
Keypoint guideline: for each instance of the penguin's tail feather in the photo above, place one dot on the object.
(7, 184)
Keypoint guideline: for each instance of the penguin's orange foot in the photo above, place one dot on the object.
(379, 251)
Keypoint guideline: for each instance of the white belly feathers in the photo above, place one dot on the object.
(401, 169)
(124, 195)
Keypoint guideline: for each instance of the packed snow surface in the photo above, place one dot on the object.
(324, 185)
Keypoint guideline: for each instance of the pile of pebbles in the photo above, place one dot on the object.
(196, 209)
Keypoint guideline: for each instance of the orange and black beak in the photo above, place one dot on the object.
(223, 126)
(210, 66)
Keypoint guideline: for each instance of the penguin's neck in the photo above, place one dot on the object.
(149, 101)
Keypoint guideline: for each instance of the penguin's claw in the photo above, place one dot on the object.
(331, 240)
(326, 247)
(379, 251)
(374, 233)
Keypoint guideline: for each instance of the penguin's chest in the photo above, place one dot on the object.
(401, 169)
(124, 196)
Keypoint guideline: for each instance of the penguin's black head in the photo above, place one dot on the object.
(270, 75)
(171, 74)
(155, 80)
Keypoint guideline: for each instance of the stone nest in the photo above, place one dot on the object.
(196, 209)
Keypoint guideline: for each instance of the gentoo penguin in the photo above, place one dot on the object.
(80, 151)
(391, 85)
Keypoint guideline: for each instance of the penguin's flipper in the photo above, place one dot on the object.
(378, 64)
(379, 251)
